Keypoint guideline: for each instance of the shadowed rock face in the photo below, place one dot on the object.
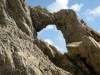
(41, 17)
(22, 53)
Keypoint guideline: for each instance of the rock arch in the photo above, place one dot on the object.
(81, 40)
(20, 55)
(72, 28)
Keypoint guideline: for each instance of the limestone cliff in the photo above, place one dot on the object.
(22, 53)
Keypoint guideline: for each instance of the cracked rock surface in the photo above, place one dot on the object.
(22, 53)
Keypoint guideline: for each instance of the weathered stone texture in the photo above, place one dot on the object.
(18, 53)
(22, 53)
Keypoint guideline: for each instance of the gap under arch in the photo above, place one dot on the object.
(54, 37)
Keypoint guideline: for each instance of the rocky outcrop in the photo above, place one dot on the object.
(72, 28)
(16, 13)
(22, 53)
(61, 60)
(18, 54)
(88, 51)
(43, 16)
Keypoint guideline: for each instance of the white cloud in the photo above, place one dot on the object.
(76, 7)
(60, 38)
(60, 49)
(58, 5)
(51, 43)
(99, 31)
(48, 41)
(61, 42)
(63, 4)
(91, 14)
(95, 11)
(49, 27)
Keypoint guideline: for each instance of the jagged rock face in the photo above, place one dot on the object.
(22, 53)
(41, 17)
(72, 28)
(69, 25)
(60, 60)
(18, 53)
(88, 50)
(16, 13)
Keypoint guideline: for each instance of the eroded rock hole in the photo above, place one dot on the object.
(51, 35)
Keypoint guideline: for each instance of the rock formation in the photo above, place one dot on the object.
(22, 53)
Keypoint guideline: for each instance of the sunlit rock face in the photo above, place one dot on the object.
(16, 13)
(74, 31)
(88, 51)
(18, 53)
(22, 53)
(72, 28)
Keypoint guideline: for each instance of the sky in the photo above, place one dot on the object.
(88, 10)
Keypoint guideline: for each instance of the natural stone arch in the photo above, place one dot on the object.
(72, 28)
(54, 37)
(21, 54)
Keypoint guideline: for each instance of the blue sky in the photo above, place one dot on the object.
(88, 10)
